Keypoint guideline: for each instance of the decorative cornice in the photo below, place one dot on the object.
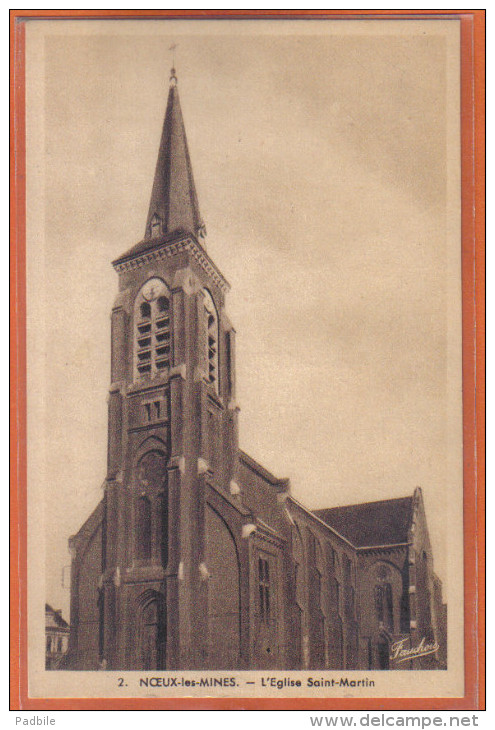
(167, 250)
(383, 548)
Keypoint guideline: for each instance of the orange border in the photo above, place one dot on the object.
(473, 292)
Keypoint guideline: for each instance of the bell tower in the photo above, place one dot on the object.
(172, 425)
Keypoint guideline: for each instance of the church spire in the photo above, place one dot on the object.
(174, 203)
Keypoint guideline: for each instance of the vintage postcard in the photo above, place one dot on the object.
(245, 263)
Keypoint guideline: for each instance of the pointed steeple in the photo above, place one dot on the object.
(174, 203)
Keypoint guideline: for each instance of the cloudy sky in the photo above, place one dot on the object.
(325, 160)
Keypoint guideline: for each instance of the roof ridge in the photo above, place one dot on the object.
(362, 504)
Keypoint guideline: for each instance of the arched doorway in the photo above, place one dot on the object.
(151, 632)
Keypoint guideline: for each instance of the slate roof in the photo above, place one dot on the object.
(373, 523)
(173, 197)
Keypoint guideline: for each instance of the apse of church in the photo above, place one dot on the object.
(198, 557)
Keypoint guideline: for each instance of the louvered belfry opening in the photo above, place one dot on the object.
(153, 331)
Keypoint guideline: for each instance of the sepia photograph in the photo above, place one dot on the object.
(244, 358)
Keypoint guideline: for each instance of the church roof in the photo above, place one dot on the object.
(174, 203)
(55, 617)
(372, 523)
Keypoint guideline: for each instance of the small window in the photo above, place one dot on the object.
(48, 644)
(153, 411)
(264, 589)
(156, 226)
(59, 645)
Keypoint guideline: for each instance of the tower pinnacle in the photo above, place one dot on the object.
(174, 204)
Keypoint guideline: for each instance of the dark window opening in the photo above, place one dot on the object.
(145, 310)
(211, 341)
(143, 529)
(163, 512)
(264, 589)
(404, 613)
(384, 605)
(162, 304)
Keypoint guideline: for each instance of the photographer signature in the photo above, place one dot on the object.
(399, 653)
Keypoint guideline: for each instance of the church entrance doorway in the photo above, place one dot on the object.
(152, 635)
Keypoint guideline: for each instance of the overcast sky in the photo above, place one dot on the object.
(319, 153)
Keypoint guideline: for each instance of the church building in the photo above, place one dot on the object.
(197, 557)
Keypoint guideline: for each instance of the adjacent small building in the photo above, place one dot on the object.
(197, 557)
(57, 632)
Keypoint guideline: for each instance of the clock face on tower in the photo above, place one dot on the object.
(151, 471)
(152, 289)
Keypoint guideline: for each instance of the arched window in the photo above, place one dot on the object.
(211, 344)
(388, 582)
(349, 595)
(152, 329)
(151, 485)
(384, 605)
(143, 529)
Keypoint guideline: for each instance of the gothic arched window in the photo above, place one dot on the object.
(384, 605)
(152, 329)
(143, 529)
(387, 581)
(151, 511)
(211, 343)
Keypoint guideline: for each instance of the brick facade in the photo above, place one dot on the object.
(197, 557)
